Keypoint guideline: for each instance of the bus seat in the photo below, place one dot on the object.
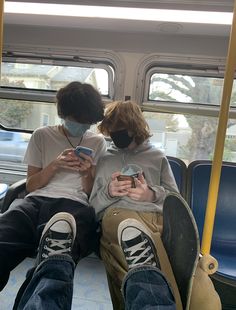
(3, 190)
(15, 191)
(179, 169)
(223, 246)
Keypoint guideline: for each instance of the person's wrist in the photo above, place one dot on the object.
(86, 174)
(151, 194)
(53, 167)
(109, 193)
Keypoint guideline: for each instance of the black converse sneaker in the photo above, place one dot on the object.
(58, 236)
(137, 244)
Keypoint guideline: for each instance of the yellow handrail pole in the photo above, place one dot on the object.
(220, 139)
(1, 31)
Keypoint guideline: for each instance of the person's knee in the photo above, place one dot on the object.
(204, 295)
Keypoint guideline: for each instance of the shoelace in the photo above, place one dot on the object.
(62, 244)
(140, 259)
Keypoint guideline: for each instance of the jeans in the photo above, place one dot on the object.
(111, 252)
(145, 287)
(51, 286)
(22, 225)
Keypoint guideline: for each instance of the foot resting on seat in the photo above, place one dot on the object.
(137, 244)
(58, 236)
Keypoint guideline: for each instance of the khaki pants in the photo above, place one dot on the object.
(204, 296)
(113, 257)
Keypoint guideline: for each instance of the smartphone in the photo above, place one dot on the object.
(127, 177)
(82, 149)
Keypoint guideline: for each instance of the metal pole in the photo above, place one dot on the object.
(220, 139)
(1, 32)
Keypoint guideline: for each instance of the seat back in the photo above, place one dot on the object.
(3, 189)
(15, 191)
(223, 246)
(179, 170)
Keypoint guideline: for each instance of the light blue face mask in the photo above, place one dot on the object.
(76, 129)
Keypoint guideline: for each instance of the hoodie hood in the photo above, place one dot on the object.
(145, 146)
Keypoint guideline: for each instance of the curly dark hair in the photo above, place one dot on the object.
(80, 101)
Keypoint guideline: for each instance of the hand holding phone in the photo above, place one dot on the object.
(82, 149)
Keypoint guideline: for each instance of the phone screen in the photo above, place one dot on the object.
(83, 149)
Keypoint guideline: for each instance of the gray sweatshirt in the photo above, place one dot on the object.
(157, 173)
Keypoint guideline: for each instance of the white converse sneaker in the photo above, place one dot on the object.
(58, 236)
(137, 244)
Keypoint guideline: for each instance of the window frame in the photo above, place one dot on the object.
(79, 62)
(48, 96)
(170, 64)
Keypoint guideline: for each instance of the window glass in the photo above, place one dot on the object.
(5, 136)
(187, 89)
(189, 137)
(25, 114)
(13, 146)
(52, 77)
(45, 119)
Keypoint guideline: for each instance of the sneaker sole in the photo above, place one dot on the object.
(135, 223)
(61, 216)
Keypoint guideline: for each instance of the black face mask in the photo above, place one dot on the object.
(121, 138)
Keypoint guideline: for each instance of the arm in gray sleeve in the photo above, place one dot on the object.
(100, 198)
(167, 182)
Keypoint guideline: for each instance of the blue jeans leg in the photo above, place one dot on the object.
(145, 287)
(51, 286)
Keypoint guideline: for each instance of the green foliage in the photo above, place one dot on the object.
(13, 112)
(193, 89)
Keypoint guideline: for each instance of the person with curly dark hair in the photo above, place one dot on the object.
(57, 179)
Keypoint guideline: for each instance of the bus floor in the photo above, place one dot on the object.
(90, 285)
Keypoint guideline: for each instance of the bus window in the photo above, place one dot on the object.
(23, 114)
(13, 146)
(189, 137)
(28, 95)
(53, 77)
(182, 111)
(187, 89)
(28, 87)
